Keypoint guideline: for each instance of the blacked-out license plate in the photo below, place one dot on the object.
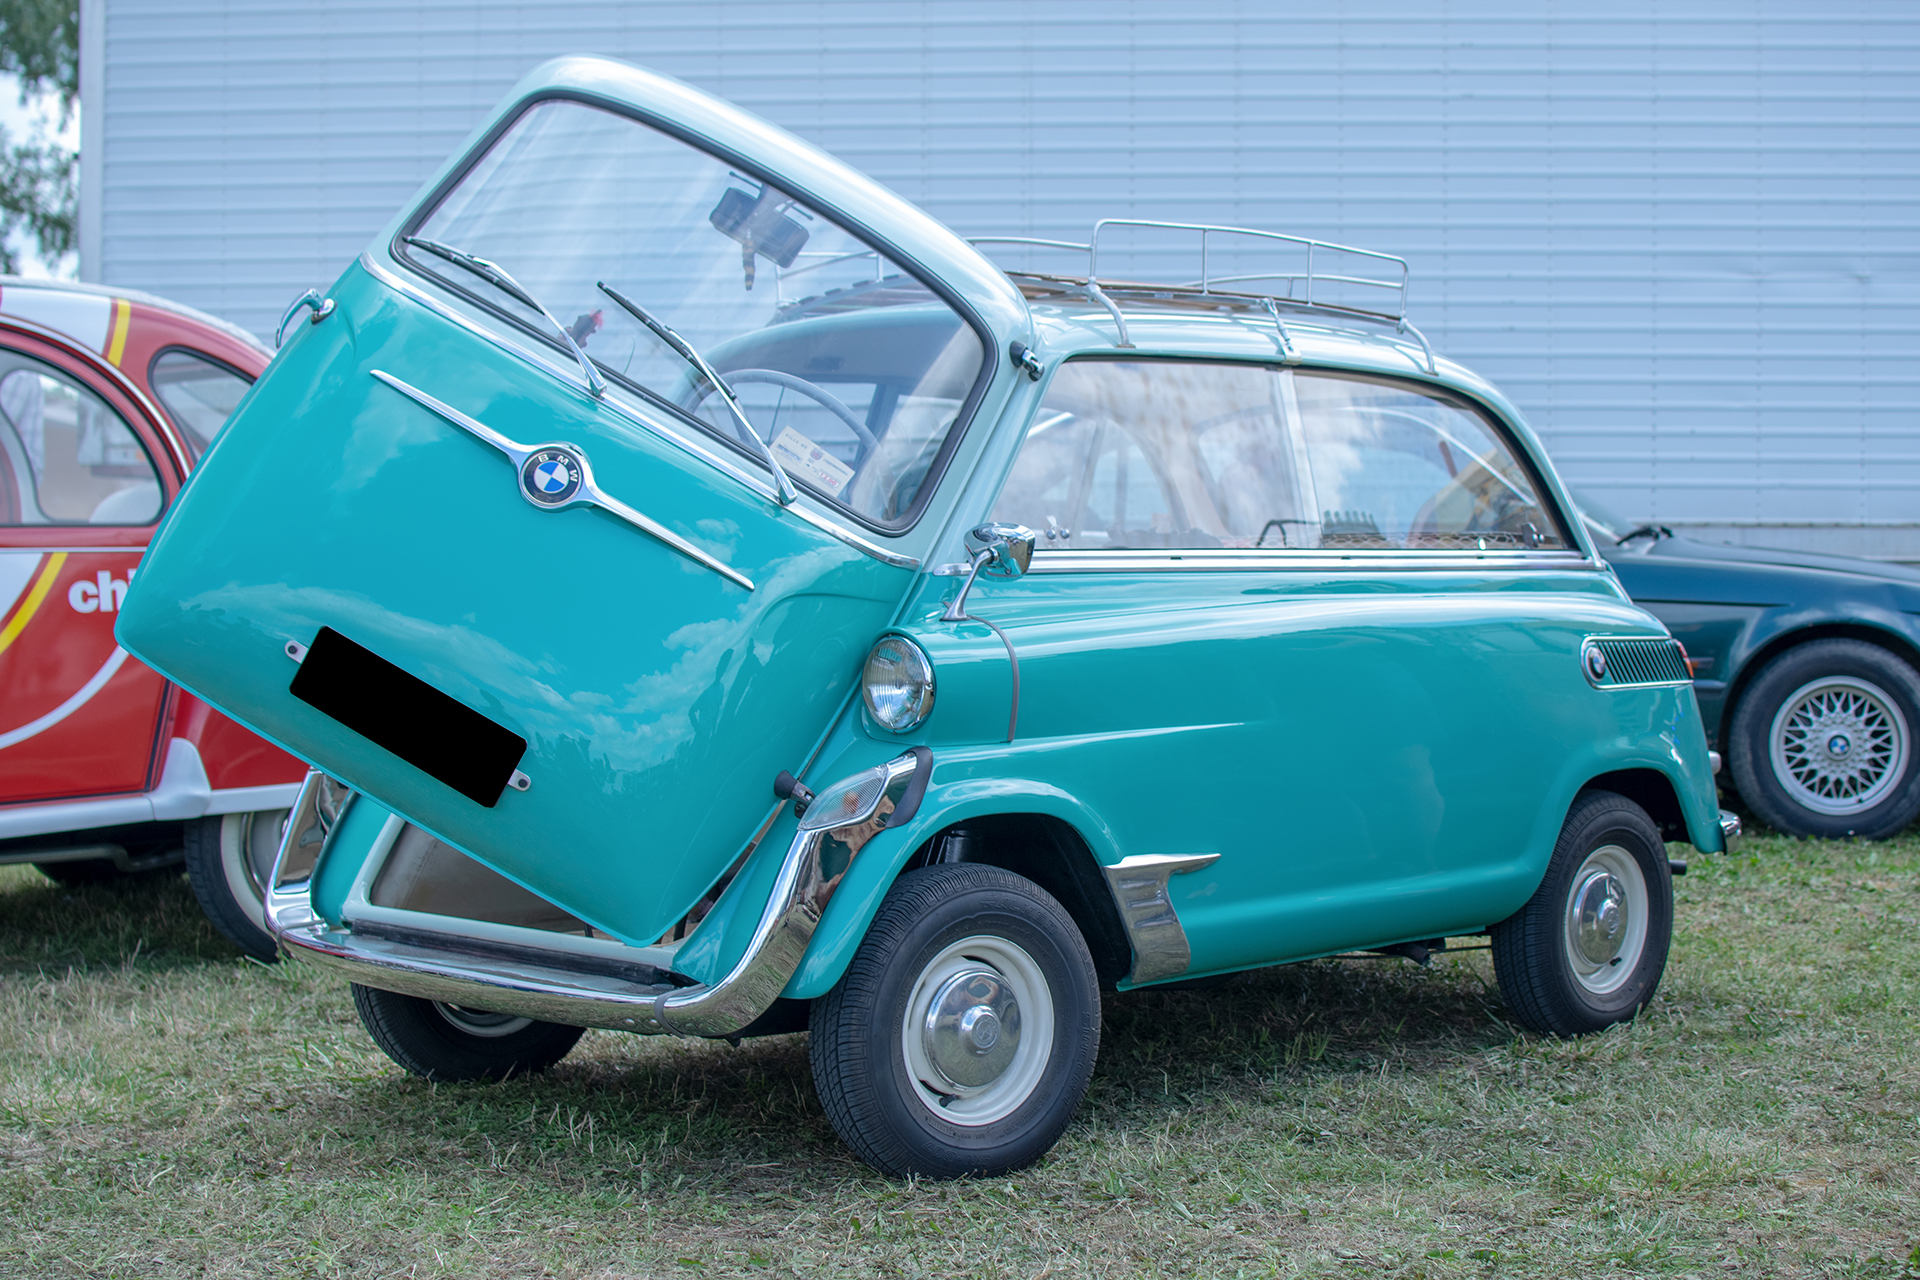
(389, 707)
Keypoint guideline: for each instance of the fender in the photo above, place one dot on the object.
(947, 802)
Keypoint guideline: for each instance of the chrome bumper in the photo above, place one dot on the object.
(1729, 824)
(477, 978)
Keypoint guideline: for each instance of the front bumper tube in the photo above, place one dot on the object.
(841, 820)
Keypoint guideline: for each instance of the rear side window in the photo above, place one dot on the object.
(1395, 467)
(1156, 454)
(65, 456)
(197, 393)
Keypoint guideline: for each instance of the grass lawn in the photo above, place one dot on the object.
(168, 1109)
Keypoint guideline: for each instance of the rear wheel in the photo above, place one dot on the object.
(229, 858)
(1590, 946)
(1822, 743)
(962, 1037)
(445, 1042)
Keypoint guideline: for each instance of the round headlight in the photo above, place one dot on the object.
(898, 684)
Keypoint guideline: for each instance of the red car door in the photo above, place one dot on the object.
(85, 473)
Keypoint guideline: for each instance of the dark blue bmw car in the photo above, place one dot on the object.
(1807, 669)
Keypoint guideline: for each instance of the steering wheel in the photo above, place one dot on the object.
(812, 391)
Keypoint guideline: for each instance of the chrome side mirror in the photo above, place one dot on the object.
(1009, 548)
(998, 550)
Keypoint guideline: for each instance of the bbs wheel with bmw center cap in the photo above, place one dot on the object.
(963, 1035)
(1589, 947)
(1822, 742)
(446, 1042)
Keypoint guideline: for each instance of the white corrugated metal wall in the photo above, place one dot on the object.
(1680, 236)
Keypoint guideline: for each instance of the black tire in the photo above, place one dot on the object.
(229, 858)
(444, 1043)
(991, 941)
(1552, 984)
(1847, 694)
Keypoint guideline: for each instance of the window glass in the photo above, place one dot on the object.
(851, 370)
(65, 456)
(1145, 454)
(197, 393)
(1393, 467)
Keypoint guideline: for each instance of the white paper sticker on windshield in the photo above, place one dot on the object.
(801, 456)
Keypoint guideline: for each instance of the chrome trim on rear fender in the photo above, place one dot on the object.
(1729, 824)
(1139, 885)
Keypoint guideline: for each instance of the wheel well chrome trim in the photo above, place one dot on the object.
(1139, 886)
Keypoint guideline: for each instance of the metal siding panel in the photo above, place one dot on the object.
(1682, 240)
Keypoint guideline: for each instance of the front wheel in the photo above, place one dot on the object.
(448, 1042)
(1589, 947)
(1822, 743)
(963, 1035)
(229, 858)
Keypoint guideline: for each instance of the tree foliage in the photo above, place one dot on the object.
(40, 44)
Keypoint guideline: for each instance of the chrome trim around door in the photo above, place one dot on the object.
(1276, 558)
(1139, 886)
(587, 494)
(612, 403)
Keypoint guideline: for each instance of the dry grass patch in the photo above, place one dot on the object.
(169, 1109)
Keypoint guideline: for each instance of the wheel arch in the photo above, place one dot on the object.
(1031, 829)
(1652, 790)
(1901, 646)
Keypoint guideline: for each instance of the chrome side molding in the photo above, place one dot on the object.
(1139, 885)
(555, 476)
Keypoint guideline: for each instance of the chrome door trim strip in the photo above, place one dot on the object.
(588, 493)
(1276, 558)
(760, 487)
(1139, 887)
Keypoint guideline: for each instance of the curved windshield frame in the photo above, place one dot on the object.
(858, 375)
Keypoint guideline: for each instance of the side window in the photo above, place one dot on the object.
(1159, 454)
(1395, 467)
(197, 394)
(65, 456)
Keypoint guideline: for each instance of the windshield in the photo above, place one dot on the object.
(852, 372)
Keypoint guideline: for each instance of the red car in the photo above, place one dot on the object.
(107, 398)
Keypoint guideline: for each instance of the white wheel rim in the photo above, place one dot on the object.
(1606, 919)
(478, 1022)
(969, 1001)
(1838, 745)
(248, 843)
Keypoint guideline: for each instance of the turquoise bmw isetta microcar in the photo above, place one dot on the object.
(716, 600)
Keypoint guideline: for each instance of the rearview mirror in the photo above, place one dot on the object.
(761, 224)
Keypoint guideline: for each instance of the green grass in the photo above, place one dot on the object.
(169, 1109)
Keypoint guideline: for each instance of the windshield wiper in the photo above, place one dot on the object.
(1654, 531)
(684, 349)
(496, 275)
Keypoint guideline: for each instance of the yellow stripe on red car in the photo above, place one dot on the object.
(117, 342)
(31, 605)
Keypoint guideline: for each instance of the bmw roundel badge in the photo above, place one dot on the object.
(551, 476)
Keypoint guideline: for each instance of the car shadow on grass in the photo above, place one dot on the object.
(708, 1109)
(152, 918)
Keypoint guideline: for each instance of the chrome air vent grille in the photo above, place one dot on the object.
(1618, 662)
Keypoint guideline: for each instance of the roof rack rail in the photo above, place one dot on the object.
(1299, 285)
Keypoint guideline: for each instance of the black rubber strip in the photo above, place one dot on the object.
(916, 787)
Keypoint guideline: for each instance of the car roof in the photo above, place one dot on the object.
(76, 290)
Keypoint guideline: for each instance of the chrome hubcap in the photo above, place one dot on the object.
(1606, 922)
(977, 1030)
(1838, 745)
(480, 1022)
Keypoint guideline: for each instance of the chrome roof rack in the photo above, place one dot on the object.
(1382, 290)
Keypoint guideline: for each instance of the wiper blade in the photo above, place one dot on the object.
(1654, 531)
(684, 349)
(496, 275)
